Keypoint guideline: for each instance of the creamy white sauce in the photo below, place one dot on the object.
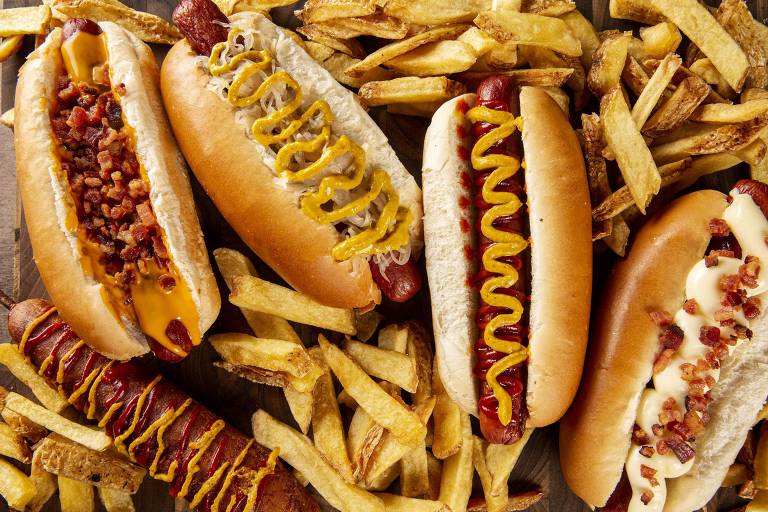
(750, 227)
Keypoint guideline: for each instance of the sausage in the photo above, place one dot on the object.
(154, 423)
(755, 189)
(499, 93)
(398, 283)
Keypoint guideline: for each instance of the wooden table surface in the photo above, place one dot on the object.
(229, 396)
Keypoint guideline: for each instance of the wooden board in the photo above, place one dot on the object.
(236, 399)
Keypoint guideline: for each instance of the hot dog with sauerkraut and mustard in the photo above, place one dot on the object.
(679, 355)
(509, 255)
(106, 196)
(291, 159)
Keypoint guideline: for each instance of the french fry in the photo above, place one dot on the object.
(44, 482)
(9, 46)
(679, 108)
(60, 456)
(24, 20)
(634, 75)
(724, 113)
(270, 354)
(148, 27)
(367, 323)
(727, 137)
(75, 496)
(448, 434)
(414, 473)
(434, 472)
(607, 63)
(597, 171)
(8, 118)
(529, 29)
(410, 90)
(12, 445)
(735, 17)
(636, 10)
(480, 42)
(388, 365)
(704, 165)
(683, 73)
(502, 57)
(501, 459)
(327, 429)
(11, 358)
(420, 350)
(438, 58)
(456, 480)
(395, 503)
(377, 25)
(261, 5)
(623, 137)
(349, 46)
(392, 50)
(706, 70)
(394, 337)
(695, 21)
(759, 503)
(258, 295)
(385, 480)
(391, 449)
(93, 439)
(435, 12)
(298, 451)
(257, 375)
(15, 487)
(517, 502)
(760, 465)
(585, 32)
(548, 7)
(318, 51)
(116, 501)
(363, 436)
(752, 154)
(654, 89)
(325, 10)
(550, 77)
(660, 39)
(384, 409)
(493, 502)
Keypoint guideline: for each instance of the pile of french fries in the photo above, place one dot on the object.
(750, 471)
(388, 419)
(62, 455)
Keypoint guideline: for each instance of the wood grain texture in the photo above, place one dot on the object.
(236, 399)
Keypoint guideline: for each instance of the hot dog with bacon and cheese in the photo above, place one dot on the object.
(679, 357)
(106, 196)
(510, 285)
(291, 159)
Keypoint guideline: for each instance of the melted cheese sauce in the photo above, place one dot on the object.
(750, 227)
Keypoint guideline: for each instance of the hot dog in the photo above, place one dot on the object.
(260, 122)
(510, 288)
(106, 196)
(154, 423)
(677, 364)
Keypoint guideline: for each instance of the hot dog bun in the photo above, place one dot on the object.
(595, 434)
(560, 223)
(237, 172)
(43, 189)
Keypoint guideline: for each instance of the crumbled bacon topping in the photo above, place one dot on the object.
(647, 451)
(646, 497)
(649, 474)
(751, 308)
(742, 332)
(671, 337)
(709, 335)
(749, 271)
(730, 283)
(722, 253)
(690, 306)
(639, 436)
(710, 260)
(662, 360)
(718, 227)
(682, 450)
(657, 429)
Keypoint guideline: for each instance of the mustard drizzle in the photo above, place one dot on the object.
(390, 231)
(505, 244)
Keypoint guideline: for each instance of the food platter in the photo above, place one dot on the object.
(236, 399)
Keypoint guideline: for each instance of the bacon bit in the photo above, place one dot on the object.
(709, 335)
(730, 283)
(722, 253)
(724, 316)
(749, 271)
(657, 429)
(696, 387)
(697, 403)
(751, 308)
(646, 497)
(710, 381)
(710, 260)
(702, 365)
(144, 210)
(718, 227)
(682, 450)
(661, 447)
(691, 306)
(688, 371)
(647, 472)
(661, 318)
(712, 359)
(742, 332)
(639, 436)
(647, 451)
(166, 282)
(721, 351)
(671, 337)
(663, 360)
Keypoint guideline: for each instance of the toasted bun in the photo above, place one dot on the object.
(43, 187)
(236, 170)
(595, 434)
(560, 287)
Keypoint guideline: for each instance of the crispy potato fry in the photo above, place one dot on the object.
(480, 42)
(60, 456)
(395, 503)
(385, 481)
(257, 375)
(519, 501)
(27, 429)
(550, 77)
(493, 502)
(735, 17)
(737, 474)
(8, 118)
(263, 6)
(270, 354)
(15, 487)
(456, 479)
(759, 503)
(12, 445)
(502, 57)
(326, 10)
(727, 137)
(695, 21)
(367, 323)
(318, 51)
(703, 165)
(363, 436)
(753, 94)
(394, 337)
(350, 47)
(683, 73)
(24, 20)
(585, 32)
(706, 70)
(636, 10)
(660, 39)
(44, 482)
(8, 47)
(414, 473)
(346, 400)
(420, 349)
(384, 409)
(438, 58)
(116, 501)
(298, 451)
(548, 7)
(339, 62)
(148, 27)
(434, 471)
(391, 449)
(410, 90)
(760, 466)
(529, 29)
(394, 367)
(678, 108)
(75, 496)
(93, 439)
(753, 154)
(623, 137)
(392, 50)
(448, 436)
(258, 295)
(608, 63)
(11, 358)
(435, 12)
(634, 75)
(501, 459)
(300, 404)
(654, 89)
(597, 171)
(724, 113)
(377, 25)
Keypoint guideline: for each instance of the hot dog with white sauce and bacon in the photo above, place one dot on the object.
(677, 367)
(509, 255)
